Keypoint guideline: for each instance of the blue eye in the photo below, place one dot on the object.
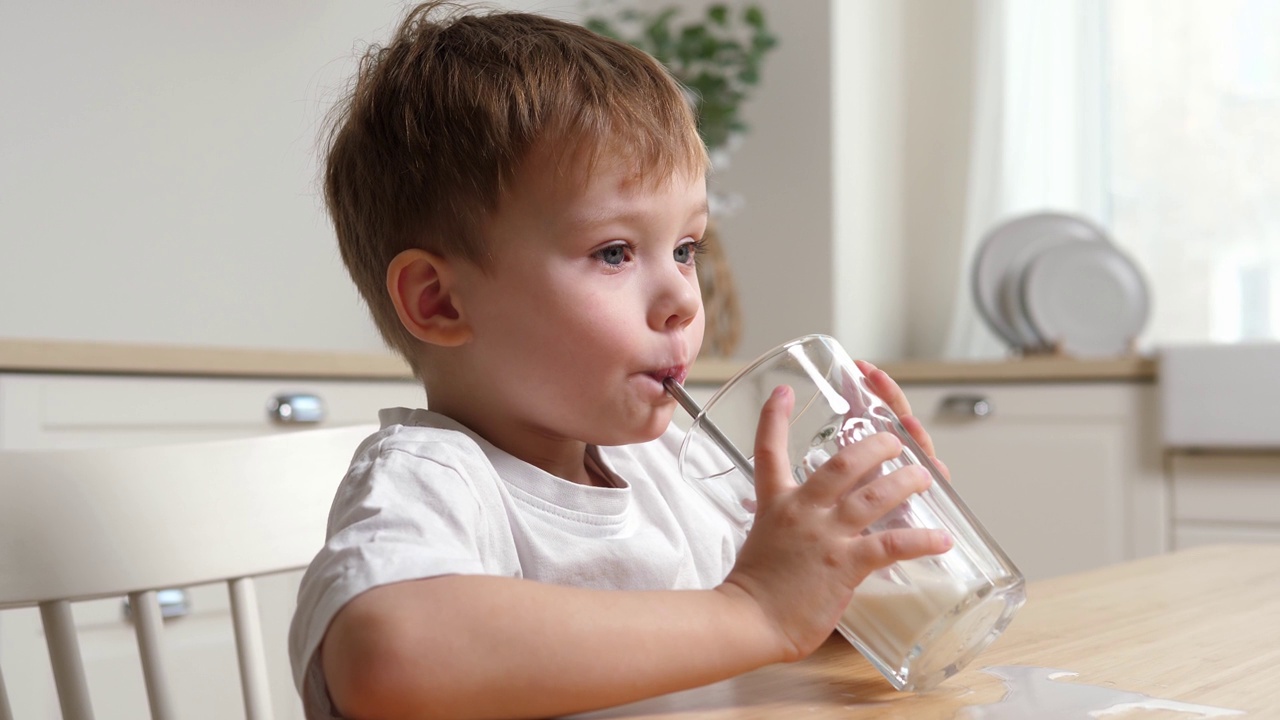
(614, 255)
(687, 252)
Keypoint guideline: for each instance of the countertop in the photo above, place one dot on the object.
(1198, 627)
(54, 356)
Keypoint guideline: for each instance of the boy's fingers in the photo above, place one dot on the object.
(866, 504)
(942, 467)
(772, 468)
(885, 387)
(882, 549)
(853, 463)
(918, 433)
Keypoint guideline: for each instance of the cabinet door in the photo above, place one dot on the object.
(1066, 477)
(1225, 498)
(47, 411)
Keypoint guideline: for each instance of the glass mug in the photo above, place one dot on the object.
(917, 621)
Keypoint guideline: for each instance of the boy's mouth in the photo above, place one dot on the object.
(677, 373)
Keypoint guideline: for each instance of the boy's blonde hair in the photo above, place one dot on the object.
(440, 120)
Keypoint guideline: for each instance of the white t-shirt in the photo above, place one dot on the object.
(425, 496)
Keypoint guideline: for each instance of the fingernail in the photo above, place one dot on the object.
(944, 539)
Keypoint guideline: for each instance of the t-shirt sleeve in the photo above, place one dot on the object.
(404, 511)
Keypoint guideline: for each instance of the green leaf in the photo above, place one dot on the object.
(718, 58)
(760, 44)
(601, 26)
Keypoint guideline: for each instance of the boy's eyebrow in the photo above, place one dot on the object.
(609, 214)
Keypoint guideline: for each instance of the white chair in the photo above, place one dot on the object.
(83, 524)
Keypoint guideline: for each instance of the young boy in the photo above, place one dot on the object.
(520, 202)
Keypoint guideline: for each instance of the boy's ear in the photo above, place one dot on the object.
(421, 285)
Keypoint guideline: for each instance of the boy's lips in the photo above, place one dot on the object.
(677, 372)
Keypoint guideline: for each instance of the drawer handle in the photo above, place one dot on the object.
(296, 409)
(174, 603)
(967, 407)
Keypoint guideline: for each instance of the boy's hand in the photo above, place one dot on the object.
(806, 552)
(888, 390)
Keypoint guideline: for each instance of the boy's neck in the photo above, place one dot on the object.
(564, 458)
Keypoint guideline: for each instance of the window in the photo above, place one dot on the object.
(1194, 161)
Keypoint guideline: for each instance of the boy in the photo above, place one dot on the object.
(520, 203)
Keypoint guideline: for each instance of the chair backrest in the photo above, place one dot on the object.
(83, 524)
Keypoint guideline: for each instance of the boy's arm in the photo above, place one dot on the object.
(489, 647)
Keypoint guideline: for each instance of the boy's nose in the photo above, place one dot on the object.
(677, 303)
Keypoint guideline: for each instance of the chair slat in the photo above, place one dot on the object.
(6, 713)
(64, 655)
(104, 522)
(148, 627)
(249, 648)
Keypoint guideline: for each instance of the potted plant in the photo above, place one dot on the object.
(717, 58)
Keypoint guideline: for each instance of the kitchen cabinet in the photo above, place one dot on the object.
(66, 411)
(1220, 427)
(1225, 497)
(1066, 476)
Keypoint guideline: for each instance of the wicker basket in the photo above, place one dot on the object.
(719, 298)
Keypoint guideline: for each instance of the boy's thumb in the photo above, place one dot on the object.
(772, 468)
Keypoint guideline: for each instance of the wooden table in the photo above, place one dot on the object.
(1199, 626)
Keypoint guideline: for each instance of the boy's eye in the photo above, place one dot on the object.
(613, 255)
(686, 252)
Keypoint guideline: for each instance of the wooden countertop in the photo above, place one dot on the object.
(1200, 626)
(54, 356)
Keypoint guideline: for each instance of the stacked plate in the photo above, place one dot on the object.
(1052, 282)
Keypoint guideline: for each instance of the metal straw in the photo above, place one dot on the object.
(691, 406)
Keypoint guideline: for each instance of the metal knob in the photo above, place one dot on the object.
(296, 409)
(965, 407)
(174, 603)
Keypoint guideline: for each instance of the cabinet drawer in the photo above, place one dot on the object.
(1037, 462)
(47, 411)
(1226, 488)
(1045, 403)
(1191, 534)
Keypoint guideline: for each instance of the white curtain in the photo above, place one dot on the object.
(1038, 132)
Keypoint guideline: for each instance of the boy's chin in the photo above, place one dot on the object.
(650, 431)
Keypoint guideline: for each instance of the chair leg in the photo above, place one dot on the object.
(253, 658)
(64, 654)
(148, 627)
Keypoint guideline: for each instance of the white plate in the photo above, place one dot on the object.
(1086, 299)
(1004, 254)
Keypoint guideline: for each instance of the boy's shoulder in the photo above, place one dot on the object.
(406, 428)
(412, 442)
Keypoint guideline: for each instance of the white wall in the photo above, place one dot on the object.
(902, 90)
(868, 147)
(937, 86)
(780, 243)
(157, 172)
(854, 175)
